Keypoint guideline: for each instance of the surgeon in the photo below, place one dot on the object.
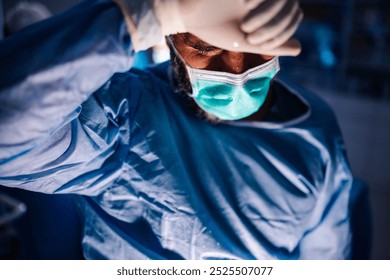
(209, 156)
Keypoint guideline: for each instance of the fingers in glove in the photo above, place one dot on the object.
(277, 26)
(251, 4)
(285, 35)
(290, 48)
(262, 14)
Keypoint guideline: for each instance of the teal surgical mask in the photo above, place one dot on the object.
(232, 96)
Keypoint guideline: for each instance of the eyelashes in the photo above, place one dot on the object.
(206, 50)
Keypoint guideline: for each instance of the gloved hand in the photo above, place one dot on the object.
(256, 26)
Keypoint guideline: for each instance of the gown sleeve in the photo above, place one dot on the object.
(56, 133)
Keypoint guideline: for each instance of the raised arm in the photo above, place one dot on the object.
(49, 69)
(54, 135)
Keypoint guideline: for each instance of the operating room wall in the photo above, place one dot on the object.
(345, 51)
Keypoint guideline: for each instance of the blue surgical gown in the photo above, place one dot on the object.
(155, 181)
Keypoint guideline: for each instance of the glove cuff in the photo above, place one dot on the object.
(168, 14)
(141, 22)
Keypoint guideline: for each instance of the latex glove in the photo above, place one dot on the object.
(254, 26)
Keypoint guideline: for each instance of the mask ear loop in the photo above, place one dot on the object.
(170, 42)
(188, 68)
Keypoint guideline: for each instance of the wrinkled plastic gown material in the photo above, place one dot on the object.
(157, 181)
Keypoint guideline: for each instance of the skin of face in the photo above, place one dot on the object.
(201, 55)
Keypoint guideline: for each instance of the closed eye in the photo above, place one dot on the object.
(206, 49)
